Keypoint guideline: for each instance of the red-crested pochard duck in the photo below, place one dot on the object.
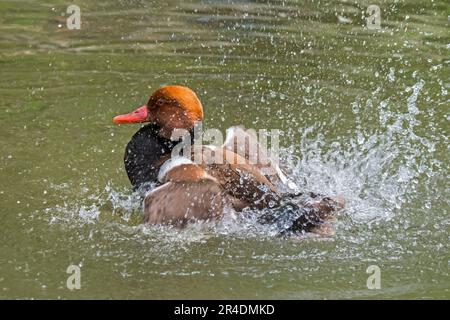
(190, 190)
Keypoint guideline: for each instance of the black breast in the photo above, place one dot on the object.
(143, 153)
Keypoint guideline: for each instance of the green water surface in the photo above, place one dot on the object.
(365, 114)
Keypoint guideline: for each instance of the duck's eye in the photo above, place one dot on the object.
(159, 102)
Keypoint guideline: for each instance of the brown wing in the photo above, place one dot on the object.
(239, 179)
(244, 142)
(177, 203)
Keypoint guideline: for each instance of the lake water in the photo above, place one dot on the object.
(365, 114)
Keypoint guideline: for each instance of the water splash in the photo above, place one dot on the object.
(377, 170)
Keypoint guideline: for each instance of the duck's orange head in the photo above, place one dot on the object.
(169, 108)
